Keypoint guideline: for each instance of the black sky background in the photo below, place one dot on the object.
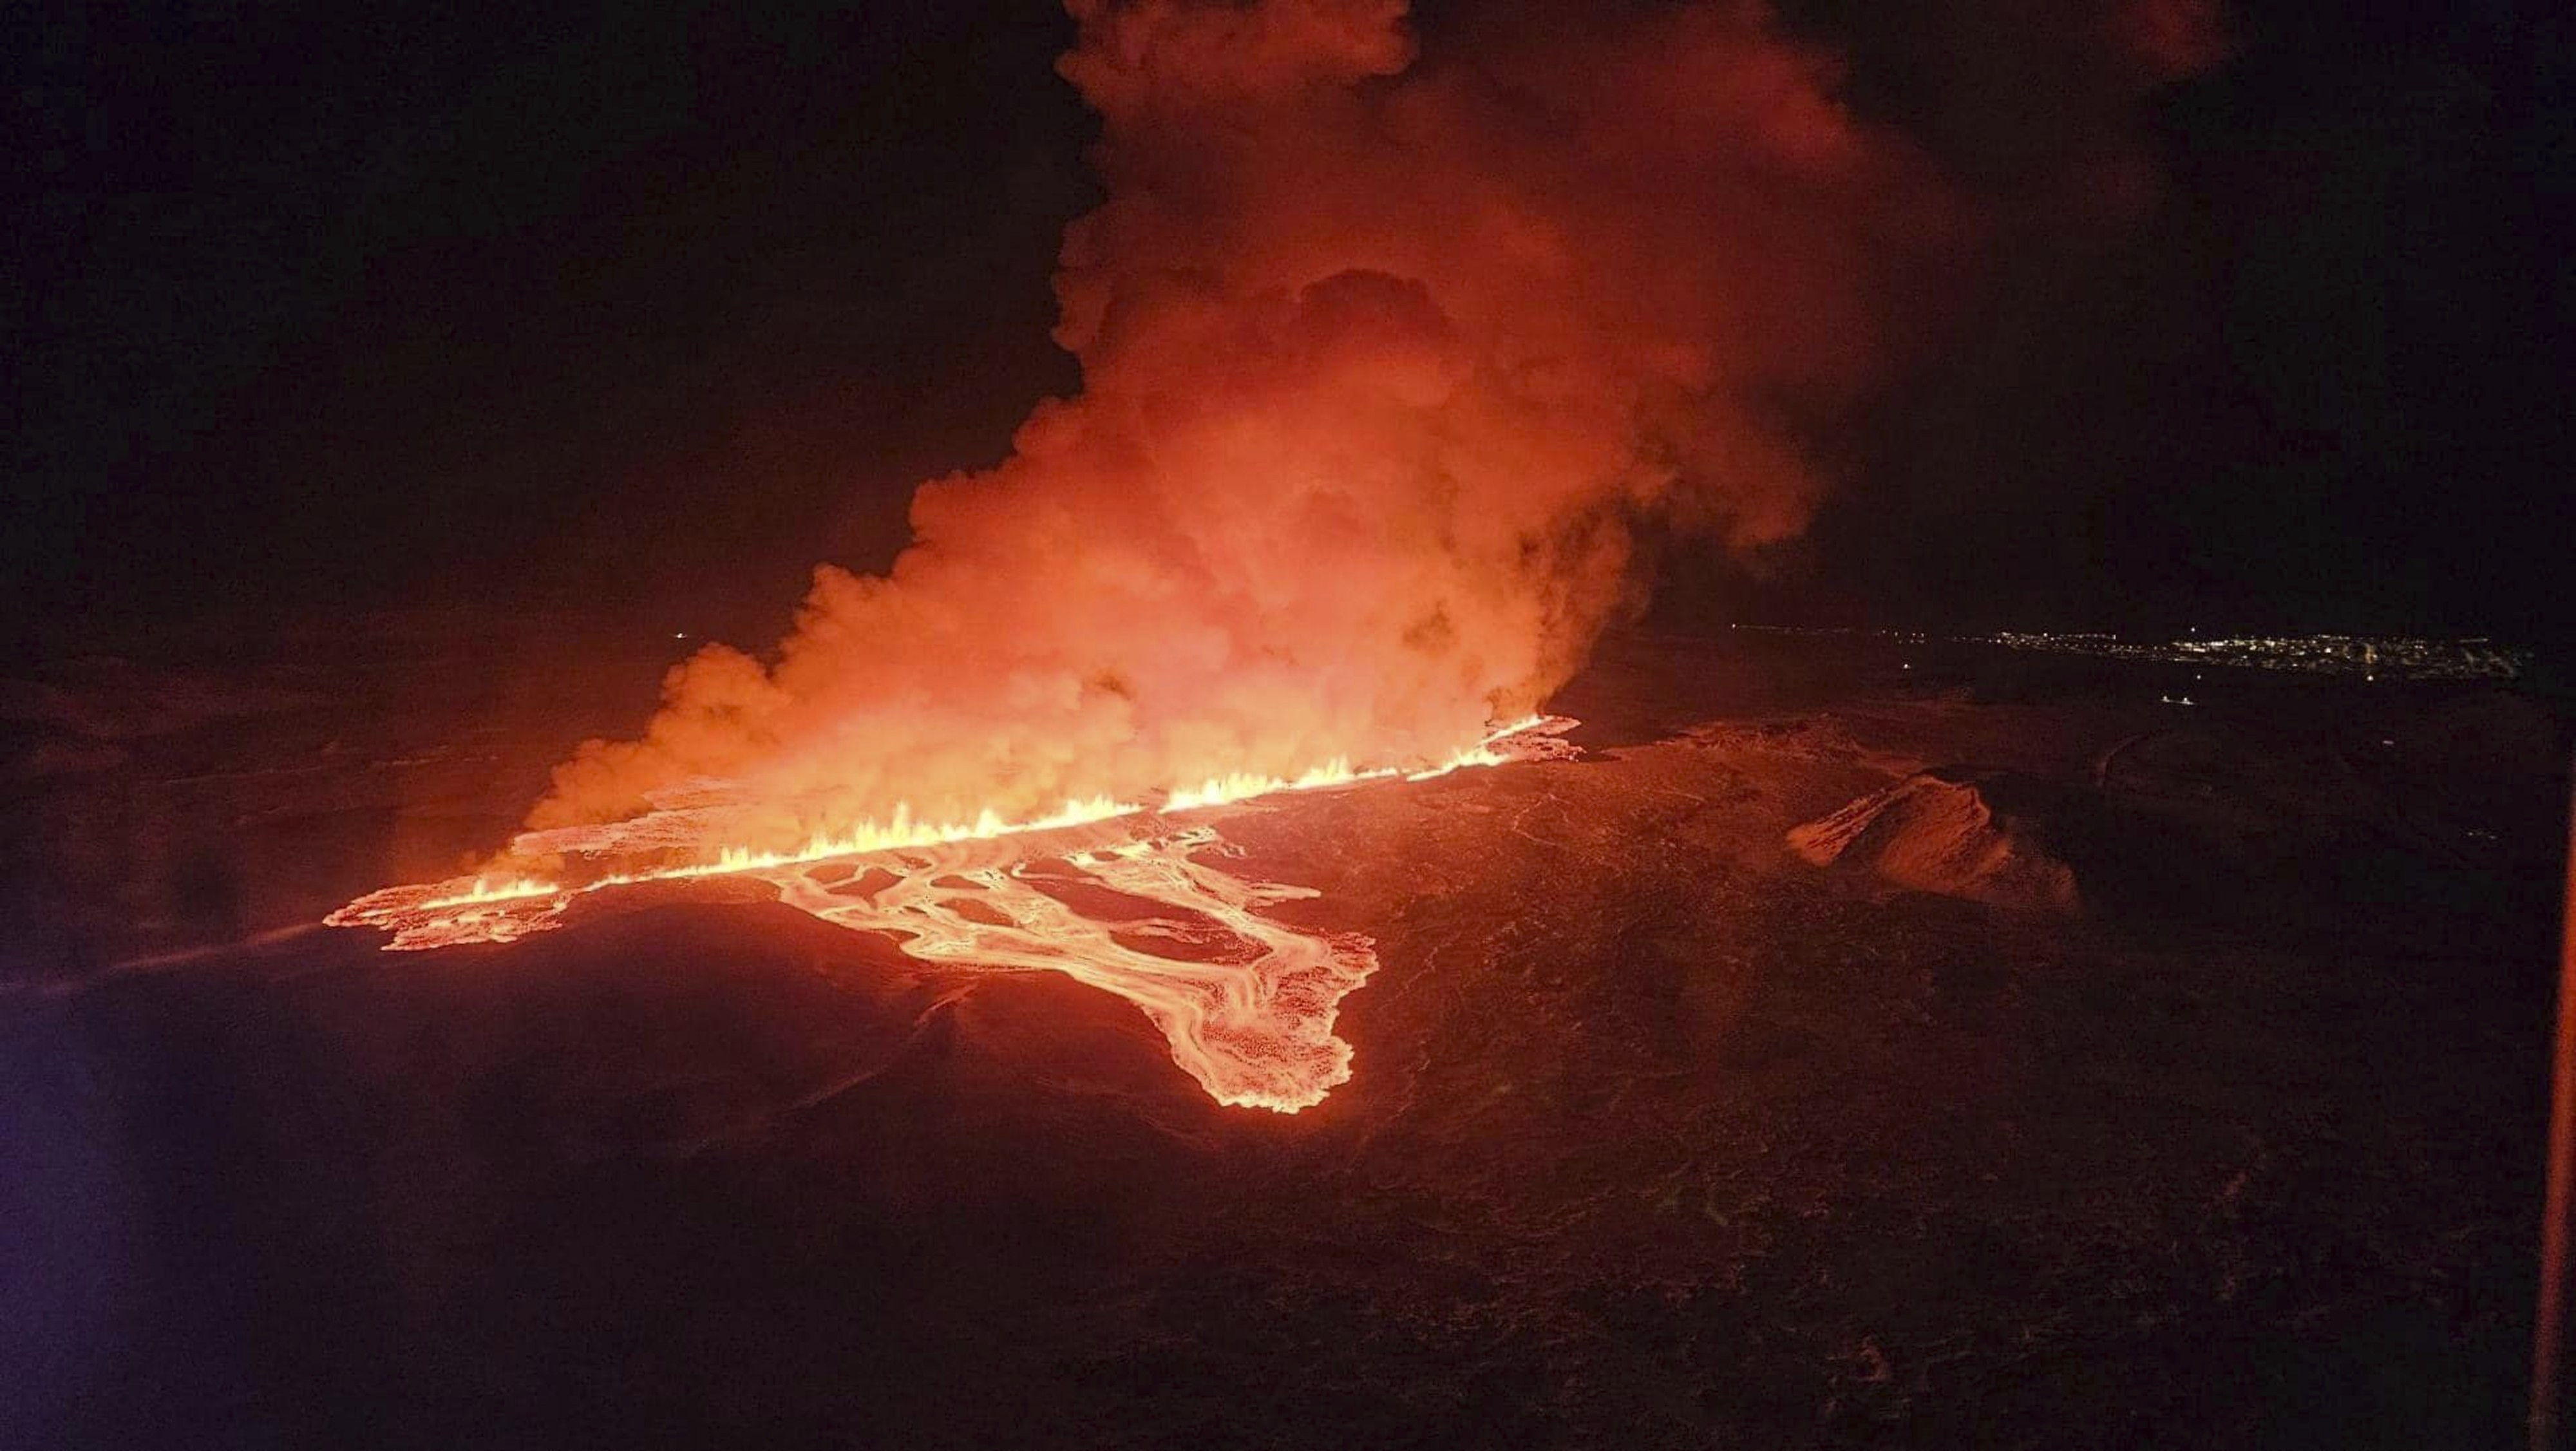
(317, 307)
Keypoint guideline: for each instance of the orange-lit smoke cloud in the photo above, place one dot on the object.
(1385, 357)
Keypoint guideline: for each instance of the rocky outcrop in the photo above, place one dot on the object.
(1941, 831)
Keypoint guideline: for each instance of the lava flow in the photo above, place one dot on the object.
(1247, 1003)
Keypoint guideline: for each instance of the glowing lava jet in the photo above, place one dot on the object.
(1112, 894)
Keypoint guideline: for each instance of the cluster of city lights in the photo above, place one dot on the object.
(2371, 657)
(2367, 657)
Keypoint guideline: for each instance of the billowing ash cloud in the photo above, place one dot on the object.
(1386, 358)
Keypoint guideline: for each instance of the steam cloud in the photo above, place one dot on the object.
(1386, 360)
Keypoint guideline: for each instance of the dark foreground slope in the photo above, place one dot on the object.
(1658, 1135)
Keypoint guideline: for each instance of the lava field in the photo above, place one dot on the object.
(1659, 1130)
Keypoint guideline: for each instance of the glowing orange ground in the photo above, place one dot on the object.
(1247, 1003)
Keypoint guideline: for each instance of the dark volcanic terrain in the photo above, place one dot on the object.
(1659, 1134)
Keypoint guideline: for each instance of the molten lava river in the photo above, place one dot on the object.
(1115, 895)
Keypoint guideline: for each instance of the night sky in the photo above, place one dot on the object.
(649, 308)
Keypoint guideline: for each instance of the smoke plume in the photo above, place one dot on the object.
(1387, 358)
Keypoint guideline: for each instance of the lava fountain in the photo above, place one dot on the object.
(1382, 365)
(1118, 896)
(1402, 351)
